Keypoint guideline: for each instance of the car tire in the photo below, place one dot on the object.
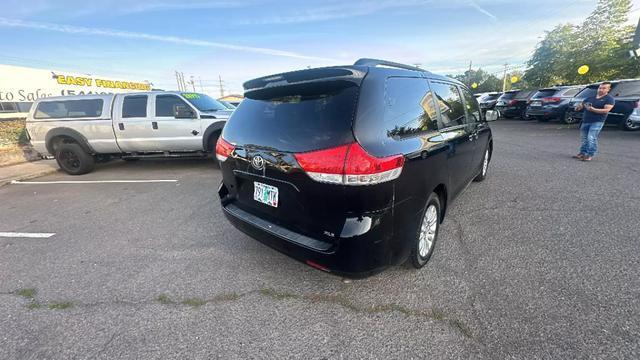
(485, 166)
(628, 125)
(569, 120)
(426, 235)
(73, 160)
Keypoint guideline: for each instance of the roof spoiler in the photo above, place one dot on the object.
(377, 62)
(305, 76)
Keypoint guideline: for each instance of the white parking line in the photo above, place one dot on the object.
(16, 182)
(26, 235)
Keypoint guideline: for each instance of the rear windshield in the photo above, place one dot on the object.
(587, 92)
(69, 109)
(295, 119)
(490, 97)
(544, 93)
(524, 94)
(507, 96)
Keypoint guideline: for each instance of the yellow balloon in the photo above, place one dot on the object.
(583, 69)
(474, 85)
(514, 79)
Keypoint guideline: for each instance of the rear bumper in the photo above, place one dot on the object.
(545, 112)
(509, 111)
(361, 250)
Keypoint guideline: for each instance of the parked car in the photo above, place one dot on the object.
(366, 179)
(513, 103)
(625, 112)
(78, 130)
(228, 105)
(551, 103)
(489, 100)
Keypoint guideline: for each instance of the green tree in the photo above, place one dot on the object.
(486, 81)
(602, 42)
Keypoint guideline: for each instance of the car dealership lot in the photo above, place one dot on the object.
(538, 261)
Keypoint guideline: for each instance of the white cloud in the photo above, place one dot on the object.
(69, 29)
(474, 5)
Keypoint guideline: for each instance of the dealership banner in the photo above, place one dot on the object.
(22, 84)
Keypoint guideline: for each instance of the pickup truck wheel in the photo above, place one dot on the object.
(427, 233)
(74, 160)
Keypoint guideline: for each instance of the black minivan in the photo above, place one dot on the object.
(350, 169)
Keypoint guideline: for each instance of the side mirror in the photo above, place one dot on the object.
(491, 115)
(183, 112)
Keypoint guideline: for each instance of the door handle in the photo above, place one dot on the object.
(121, 126)
(154, 125)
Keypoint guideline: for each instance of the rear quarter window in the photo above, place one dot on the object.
(409, 107)
(86, 108)
(587, 92)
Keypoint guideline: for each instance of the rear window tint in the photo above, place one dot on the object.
(587, 92)
(69, 109)
(491, 97)
(571, 92)
(524, 94)
(544, 93)
(507, 96)
(295, 118)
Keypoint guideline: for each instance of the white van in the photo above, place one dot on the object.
(78, 130)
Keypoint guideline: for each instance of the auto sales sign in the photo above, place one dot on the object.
(22, 84)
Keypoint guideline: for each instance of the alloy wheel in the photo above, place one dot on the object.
(428, 231)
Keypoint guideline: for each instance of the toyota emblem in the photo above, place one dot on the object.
(257, 162)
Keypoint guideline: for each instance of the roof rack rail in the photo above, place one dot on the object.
(376, 62)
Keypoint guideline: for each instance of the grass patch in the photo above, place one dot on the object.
(226, 297)
(27, 293)
(164, 299)
(60, 305)
(278, 295)
(194, 302)
(13, 133)
(32, 305)
(437, 314)
(464, 329)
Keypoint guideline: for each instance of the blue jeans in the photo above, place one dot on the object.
(589, 135)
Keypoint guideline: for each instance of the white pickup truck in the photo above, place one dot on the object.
(80, 130)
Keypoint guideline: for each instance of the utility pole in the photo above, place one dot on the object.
(221, 87)
(178, 80)
(469, 74)
(184, 84)
(504, 78)
(193, 83)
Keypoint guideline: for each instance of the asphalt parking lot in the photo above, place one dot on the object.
(538, 261)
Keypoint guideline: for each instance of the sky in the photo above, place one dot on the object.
(241, 40)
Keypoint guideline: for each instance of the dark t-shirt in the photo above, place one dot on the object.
(591, 117)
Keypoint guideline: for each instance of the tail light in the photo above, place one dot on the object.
(223, 149)
(512, 102)
(350, 165)
(551, 99)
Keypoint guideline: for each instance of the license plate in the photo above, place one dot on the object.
(265, 194)
(536, 103)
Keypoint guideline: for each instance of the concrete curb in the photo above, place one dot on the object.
(34, 175)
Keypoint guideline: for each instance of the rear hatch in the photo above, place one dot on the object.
(544, 96)
(276, 129)
(506, 98)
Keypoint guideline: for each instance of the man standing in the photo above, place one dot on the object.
(595, 113)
